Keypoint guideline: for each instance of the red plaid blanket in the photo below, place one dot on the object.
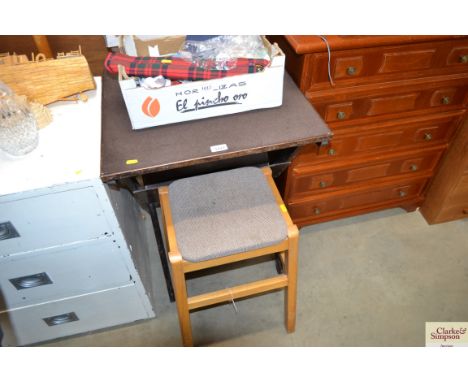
(176, 68)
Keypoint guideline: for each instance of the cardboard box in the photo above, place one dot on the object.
(151, 45)
(204, 99)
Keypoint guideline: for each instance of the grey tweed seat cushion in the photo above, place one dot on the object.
(224, 213)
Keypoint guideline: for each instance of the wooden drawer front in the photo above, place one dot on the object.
(358, 106)
(72, 316)
(43, 276)
(336, 203)
(52, 219)
(380, 138)
(456, 205)
(307, 180)
(460, 193)
(357, 66)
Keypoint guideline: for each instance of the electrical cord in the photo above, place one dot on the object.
(329, 60)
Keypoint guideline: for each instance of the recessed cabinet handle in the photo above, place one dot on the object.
(427, 136)
(61, 319)
(463, 59)
(8, 231)
(31, 281)
(341, 115)
(465, 211)
(413, 167)
(351, 70)
(445, 100)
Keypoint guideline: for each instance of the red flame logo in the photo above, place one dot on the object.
(151, 107)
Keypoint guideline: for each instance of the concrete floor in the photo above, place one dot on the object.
(371, 280)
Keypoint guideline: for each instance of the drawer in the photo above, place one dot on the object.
(387, 63)
(77, 315)
(453, 213)
(321, 207)
(49, 220)
(357, 105)
(459, 196)
(306, 180)
(456, 205)
(383, 137)
(42, 276)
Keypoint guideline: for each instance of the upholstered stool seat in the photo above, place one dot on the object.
(225, 213)
(222, 218)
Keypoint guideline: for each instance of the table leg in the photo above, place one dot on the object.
(152, 204)
(278, 264)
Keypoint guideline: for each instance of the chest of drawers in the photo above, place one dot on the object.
(394, 104)
(73, 256)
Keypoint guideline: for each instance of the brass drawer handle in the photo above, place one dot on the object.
(463, 59)
(341, 115)
(413, 167)
(351, 70)
(317, 211)
(402, 193)
(322, 184)
(445, 100)
(427, 136)
(332, 152)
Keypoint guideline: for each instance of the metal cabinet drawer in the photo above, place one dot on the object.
(67, 317)
(42, 276)
(49, 220)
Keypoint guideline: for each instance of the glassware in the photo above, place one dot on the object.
(18, 129)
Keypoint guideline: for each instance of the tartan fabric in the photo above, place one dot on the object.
(176, 68)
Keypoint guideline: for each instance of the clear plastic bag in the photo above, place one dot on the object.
(18, 130)
(222, 51)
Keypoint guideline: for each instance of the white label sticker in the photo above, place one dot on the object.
(216, 148)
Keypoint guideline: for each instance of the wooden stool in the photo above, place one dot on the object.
(222, 218)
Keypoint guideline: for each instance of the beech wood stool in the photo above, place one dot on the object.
(226, 217)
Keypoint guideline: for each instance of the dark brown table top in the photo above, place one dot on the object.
(183, 144)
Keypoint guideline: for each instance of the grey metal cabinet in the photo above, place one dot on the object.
(70, 246)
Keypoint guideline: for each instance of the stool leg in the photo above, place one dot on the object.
(291, 271)
(180, 289)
